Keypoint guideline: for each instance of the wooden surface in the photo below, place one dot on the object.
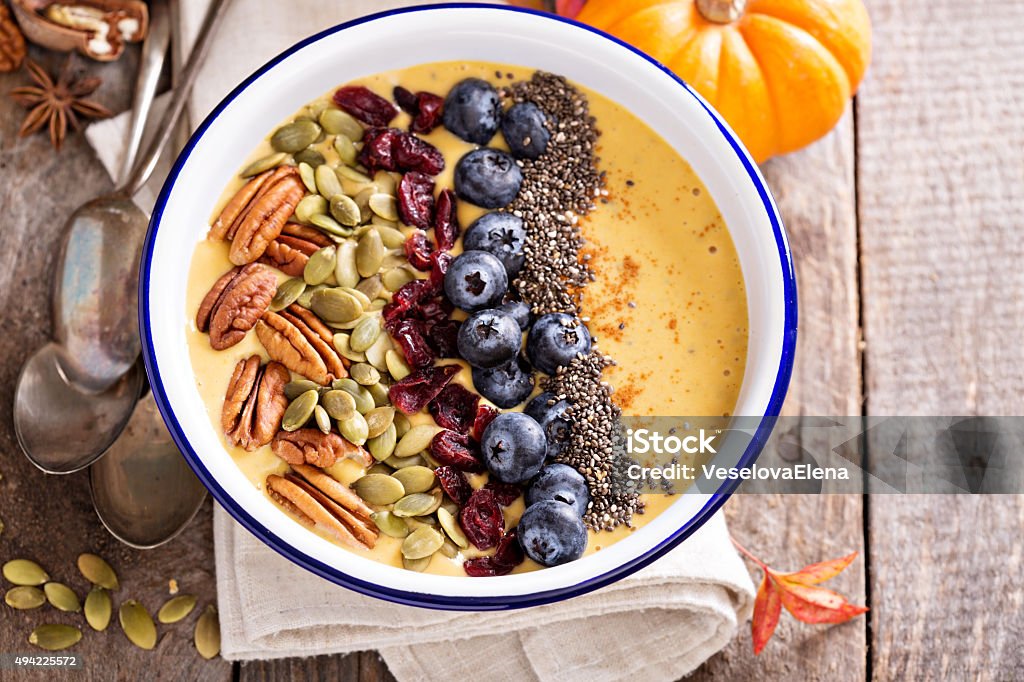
(907, 219)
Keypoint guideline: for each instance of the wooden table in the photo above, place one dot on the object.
(905, 223)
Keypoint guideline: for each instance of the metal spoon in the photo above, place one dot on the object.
(95, 306)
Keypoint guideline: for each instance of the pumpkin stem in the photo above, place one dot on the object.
(721, 11)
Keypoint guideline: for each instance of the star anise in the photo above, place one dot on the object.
(57, 104)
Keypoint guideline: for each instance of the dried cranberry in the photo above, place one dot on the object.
(411, 394)
(444, 338)
(418, 249)
(413, 154)
(434, 310)
(509, 552)
(403, 299)
(416, 199)
(446, 221)
(454, 408)
(431, 108)
(365, 105)
(409, 335)
(377, 153)
(405, 99)
(439, 262)
(484, 566)
(457, 450)
(454, 484)
(505, 493)
(485, 414)
(481, 519)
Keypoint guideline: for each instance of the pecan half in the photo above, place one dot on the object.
(313, 446)
(97, 28)
(297, 339)
(316, 507)
(235, 303)
(254, 403)
(256, 215)
(290, 252)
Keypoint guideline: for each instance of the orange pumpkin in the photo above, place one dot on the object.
(779, 71)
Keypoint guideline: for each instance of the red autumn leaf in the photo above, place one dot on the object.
(797, 592)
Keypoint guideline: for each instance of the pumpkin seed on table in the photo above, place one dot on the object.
(55, 637)
(25, 572)
(421, 543)
(338, 122)
(345, 210)
(417, 439)
(287, 293)
(310, 157)
(137, 624)
(418, 565)
(364, 374)
(384, 205)
(176, 608)
(62, 597)
(395, 278)
(339, 404)
(345, 148)
(207, 633)
(323, 420)
(98, 609)
(396, 365)
(379, 419)
(451, 527)
(382, 446)
(416, 479)
(403, 462)
(379, 489)
(345, 271)
(299, 411)
(389, 524)
(293, 389)
(327, 183)
(391, 236)
(371, 287)
(24, 597)
(264, 164)
(354, 429)
(336, 305)
(365, 333)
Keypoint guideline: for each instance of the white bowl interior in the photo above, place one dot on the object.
(431, 36)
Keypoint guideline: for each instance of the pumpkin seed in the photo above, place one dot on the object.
(364, 374)
(354, 429)
(346, 149)
(416, 479)
(385, 182)
(379, 419)
(207, 633)
(383, 445)
(343, 344)
(287, 293)
(344, 210)
(295, 136)
(353, 175)
(137, 624)
(339, 404)
(416, 504)
(403, 462)
(345, 270)
(402, 424)
(323, 421)
(293, 389)
(421, 543)
(384, 205)
(365, 333)
(364, 401)
(310, 157)
(363, 299)
(306, 296)
(308, 178)
(376, 304)
(320, 266)
(417, 439)
(98, 609)
(362, 199)
(390, 524)
(379, 489)
(27, 597)
(338, 122)
(176, 608)
(415, 522)
(380, 394)
(24, 572)
(329, 225)
(266, 163)
(418, 565)
(451, 526)
(379, 468)
(376, 354)
(395, 278)
(299, 411)
(336, 305)
(327, 182)
(449, 549)
(395, 258)
(309, 206)
(55, 637)
(97, 571)
(396, 365)
(62, 597)
(391, 236)
(371, 287)
(450, 507)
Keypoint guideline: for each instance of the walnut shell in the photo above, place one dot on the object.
(99, 29)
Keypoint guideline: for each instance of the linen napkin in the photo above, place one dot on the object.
(660, 623)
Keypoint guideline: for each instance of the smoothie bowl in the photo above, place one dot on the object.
(393, 315)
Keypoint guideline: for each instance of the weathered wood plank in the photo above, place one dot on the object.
(814, 189)
(940, 151)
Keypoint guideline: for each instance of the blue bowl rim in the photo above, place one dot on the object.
(445, 602)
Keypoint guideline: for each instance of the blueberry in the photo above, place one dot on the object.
(550, 414)
(505, 386)
(524, 130)
(513, 447)
(472, 111)
(554, 341)
(519, 311)
(561, 483)
(552, 533)
(489, 338)
(503, 236)
(475, 280)
(488, 177)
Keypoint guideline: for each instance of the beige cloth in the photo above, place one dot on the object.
(658, 624)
